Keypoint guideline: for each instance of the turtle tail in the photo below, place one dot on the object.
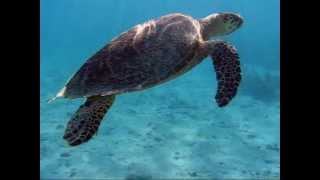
(86, 120)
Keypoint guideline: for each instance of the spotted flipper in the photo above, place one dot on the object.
(228, 73)
(85, 122)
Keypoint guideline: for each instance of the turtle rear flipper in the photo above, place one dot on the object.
(228, 73)
(85, 122)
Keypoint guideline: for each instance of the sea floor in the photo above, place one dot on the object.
(175, 130)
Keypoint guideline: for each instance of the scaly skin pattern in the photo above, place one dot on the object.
(86, 120)
(145, 56)
(228, 72)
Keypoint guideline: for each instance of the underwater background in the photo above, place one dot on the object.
(175, 130)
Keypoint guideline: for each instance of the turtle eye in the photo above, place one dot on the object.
(232, 21)
(236, 20)
(232, 18)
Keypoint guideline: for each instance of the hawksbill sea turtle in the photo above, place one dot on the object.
(147, 55)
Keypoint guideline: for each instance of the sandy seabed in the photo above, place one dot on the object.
(175, 130)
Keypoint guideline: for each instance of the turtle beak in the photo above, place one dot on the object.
(239, 20)
(233, 19)
(233, 22)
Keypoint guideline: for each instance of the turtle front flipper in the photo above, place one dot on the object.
(228, 72)
(85, 122)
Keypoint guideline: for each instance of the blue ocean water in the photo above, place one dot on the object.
(174, 130)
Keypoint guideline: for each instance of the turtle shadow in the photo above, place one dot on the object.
(263, 86)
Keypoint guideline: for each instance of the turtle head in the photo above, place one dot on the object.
(219, 24)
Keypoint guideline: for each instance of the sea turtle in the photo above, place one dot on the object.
(147, 55)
